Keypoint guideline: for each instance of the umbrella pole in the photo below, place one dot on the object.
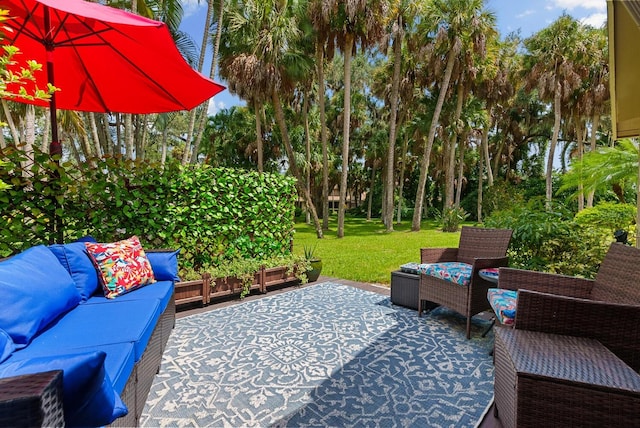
(55, 148)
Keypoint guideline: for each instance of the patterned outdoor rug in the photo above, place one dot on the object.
(324, 355)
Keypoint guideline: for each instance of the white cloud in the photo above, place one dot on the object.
(596, 20)
(584, 4)
(526, 13)
(190, 7)
(215, 107)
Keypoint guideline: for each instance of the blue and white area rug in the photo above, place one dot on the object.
(324, 355)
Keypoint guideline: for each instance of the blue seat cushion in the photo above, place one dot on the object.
(503, 302)
(76, 261)
(34, 290)
(161, 290)
(104, 324)
(458, 273)
(88, 394)
(118, 363)
(6, 345)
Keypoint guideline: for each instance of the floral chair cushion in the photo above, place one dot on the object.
(459, 273)
(503, 303)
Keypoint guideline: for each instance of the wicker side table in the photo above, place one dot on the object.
(551, 380)
(32, 400)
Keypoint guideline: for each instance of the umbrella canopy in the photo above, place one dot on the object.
(623, 19)
(103, 59)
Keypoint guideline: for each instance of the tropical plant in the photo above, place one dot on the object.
(555, 66)
(457, 31)
(550, 240)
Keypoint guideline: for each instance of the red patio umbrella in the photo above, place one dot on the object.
(102, 59)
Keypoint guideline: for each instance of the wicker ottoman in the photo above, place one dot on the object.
(404, 290)
(551, 380)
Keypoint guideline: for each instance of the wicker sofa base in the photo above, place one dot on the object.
(551, 380)
(139, 384)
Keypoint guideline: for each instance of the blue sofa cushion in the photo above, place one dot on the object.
(164, 264)
(34, 290)
(76, 261)
(115, 321)
(6, 345)
(88, 394)
(161, 290)
(118, 364)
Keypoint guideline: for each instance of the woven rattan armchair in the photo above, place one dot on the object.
(479, 247)
(569, 305)
(573, 355)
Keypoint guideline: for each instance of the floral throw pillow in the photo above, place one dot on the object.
(122, 266)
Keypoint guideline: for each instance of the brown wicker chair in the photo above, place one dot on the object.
(550, 302)
(573, 356)
(479, 247)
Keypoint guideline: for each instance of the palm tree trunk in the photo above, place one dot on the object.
(450, 172)
(257, 110)
(580, 137)
(45, 132)
(307, 140)
(480, 181)
(403, 160)
(29, 139)
(348, 48)
(485, 147)
(12, 125)
(554, 141)
(293, 167)
(370, 195)
(163, 155)
(595, 123)
(424, 163)
(128, 136)
(212, 72)
(462, 146)
(94, 133)
(323, 136)
(188, 154)
(395, 85)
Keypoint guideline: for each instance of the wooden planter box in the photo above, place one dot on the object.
(277, 276)
(193, 291)
(231, 285)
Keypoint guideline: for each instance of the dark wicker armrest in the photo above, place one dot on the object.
(514, 279)
(489, 262)
(32, 400)
(437, 255)
(615, 325)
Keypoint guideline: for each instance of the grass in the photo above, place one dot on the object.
(367, 253)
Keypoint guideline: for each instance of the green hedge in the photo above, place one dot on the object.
(213, 214)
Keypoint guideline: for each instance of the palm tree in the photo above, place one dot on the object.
(356, 23)
(554, 65)
(455, 29)
(262, 60)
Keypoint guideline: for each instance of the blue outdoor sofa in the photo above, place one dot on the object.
(55, 317)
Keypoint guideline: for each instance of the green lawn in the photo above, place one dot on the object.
(367, 253)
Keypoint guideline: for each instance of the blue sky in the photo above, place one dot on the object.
(528, 16)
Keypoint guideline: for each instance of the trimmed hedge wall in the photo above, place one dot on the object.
(213, 214)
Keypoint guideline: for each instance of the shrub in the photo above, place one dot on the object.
(451, 218)
(608, 215)
(550, 241)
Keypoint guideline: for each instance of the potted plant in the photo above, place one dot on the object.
(285, 269)
(316, 263)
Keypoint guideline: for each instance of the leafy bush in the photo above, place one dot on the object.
(215, 215)
(608, 215)
(550, 241)
(451, 219)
